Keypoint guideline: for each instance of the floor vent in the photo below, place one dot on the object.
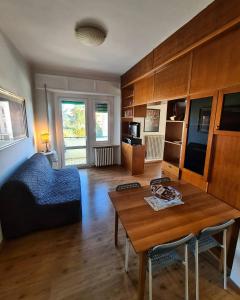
(103, 156)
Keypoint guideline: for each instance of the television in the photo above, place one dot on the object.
(134, 129)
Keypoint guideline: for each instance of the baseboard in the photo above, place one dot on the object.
(233, 286)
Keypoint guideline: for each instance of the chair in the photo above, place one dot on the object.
(205, 241)
(122, 187)
(165, 255)
(160, 180)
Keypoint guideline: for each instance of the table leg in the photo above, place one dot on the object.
(142, 274)
(116, 229)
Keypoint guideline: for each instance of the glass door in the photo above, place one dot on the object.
(75, 144)
(197, 136)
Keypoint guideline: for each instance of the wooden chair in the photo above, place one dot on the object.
(160, 180)
(204, 242)
(122, 187)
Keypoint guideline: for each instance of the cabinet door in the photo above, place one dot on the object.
(172, 82)
(228, 112)
(216, 63)
(143, 91)
(201, 111)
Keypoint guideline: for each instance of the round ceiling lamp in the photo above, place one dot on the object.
(90, 35)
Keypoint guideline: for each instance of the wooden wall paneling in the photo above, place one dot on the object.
(224, 177)
(172, 81)
(143, 90)
(217, 15)
(216, 64)
(144, 66)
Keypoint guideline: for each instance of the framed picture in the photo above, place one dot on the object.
(13, 121)
(204, 119)
(151, 121)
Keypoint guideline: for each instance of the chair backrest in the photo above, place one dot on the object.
(160, 180)
(160, 249)
(128, 186)
(216, 229)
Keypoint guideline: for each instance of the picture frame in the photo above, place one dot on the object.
(204, 119)
(151, 121)
(13, 119)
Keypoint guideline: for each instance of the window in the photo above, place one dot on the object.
(102, 122)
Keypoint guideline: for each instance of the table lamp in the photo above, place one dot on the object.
(45, 140)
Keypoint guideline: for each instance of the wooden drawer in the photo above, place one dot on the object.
(168, 167)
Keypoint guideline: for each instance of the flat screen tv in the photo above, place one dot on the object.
(134, 129)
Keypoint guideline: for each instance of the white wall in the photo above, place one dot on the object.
(63, 86)
(15, 77)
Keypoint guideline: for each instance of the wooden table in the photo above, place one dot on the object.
(147, 228)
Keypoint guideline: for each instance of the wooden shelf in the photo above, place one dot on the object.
(174, 143)
(127, 107)
(170, 121)
(127, 118)
(128, 97)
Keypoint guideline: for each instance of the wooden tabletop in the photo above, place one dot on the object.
(147, 228)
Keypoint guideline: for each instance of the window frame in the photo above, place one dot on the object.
(109, 102)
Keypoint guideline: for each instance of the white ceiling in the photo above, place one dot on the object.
(43, 31)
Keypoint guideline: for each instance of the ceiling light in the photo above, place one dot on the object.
(90, 35)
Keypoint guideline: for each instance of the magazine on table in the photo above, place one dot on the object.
(164, 197)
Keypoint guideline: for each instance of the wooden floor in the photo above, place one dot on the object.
(81, 262)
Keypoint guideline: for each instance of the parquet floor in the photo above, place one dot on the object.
(80, 262)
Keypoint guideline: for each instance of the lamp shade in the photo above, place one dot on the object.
(45, 137)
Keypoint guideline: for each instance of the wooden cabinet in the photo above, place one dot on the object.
(144, 66)
(133, 157)
(228, 112)
(172, 81)
(214, 17)
(197, 142)
(216, 64)
(143, 90)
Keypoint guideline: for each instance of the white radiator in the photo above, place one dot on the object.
(154, 146)
(103, 156)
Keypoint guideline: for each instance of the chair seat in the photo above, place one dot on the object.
(204, 243)
(166, 259)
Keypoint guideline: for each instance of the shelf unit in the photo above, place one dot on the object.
(130, 109)
(174, 136)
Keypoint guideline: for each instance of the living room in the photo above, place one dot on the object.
(119, 149)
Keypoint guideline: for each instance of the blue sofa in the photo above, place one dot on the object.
(39, 197)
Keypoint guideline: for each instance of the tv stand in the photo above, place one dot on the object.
(133, 141)
(133, 157)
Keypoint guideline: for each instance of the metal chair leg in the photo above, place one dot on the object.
(116, 229)
(126, 254)
(150, 278)
(197, 270)
(225, 258)
(186, 272)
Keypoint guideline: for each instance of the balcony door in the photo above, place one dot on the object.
(74, 132)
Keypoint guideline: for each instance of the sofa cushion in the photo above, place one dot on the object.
(61, 189)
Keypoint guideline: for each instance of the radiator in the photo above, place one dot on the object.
(103, 156)
(154, 146)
